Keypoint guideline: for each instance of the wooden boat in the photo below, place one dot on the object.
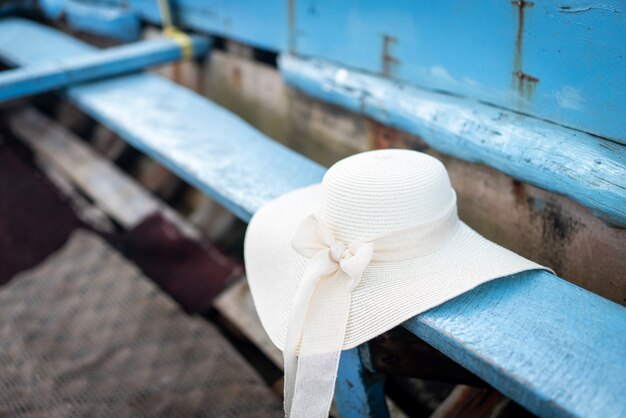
(165, 143)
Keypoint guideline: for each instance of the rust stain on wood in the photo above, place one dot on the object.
(385, 136)
(199, 85)
(236, 77)
(519, 191)
(524, 83)
(387, 59)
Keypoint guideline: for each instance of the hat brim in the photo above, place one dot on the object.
(389, 292)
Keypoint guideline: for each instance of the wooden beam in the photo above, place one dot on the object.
(236, 304)
(471, 402)
(120, 196)
(58, 74)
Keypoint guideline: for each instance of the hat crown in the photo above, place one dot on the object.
(380, 191)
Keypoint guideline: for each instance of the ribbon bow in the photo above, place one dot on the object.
(321, 306)
(314, 240)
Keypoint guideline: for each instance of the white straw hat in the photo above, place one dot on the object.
(333, 265)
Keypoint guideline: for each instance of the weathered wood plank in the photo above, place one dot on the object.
(120, 196)
(115, 61)
(551, 346)
(471, 402)
(236, 304)
(587, 169)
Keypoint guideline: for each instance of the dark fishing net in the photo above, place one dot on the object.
(85, 334)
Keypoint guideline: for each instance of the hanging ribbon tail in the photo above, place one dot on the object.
(322, 342)
(320, 266)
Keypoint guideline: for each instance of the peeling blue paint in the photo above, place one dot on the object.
(581, 6)
(104, 19)
(359, 392)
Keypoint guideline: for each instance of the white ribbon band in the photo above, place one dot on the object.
(321, 306)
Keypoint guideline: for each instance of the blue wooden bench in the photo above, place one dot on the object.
(553, 347)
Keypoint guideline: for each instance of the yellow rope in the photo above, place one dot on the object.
(172, 32)
(181, 38)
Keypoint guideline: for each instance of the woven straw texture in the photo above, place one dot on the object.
(360, 197)
(86, 335)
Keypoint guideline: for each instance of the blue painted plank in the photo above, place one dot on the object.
(588, 169)
(555, 348)
(206, 145)
(560, 61)
(574, 49)
(358, 391)
(60, 73)
(109, 19)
